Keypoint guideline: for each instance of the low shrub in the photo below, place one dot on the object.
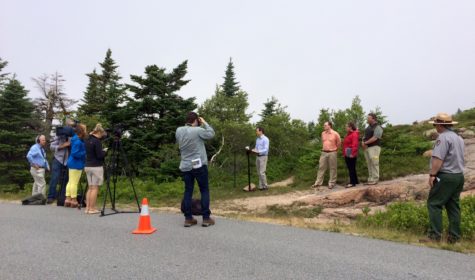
(414, 218)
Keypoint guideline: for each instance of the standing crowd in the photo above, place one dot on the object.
(72, 155)
(85, 152)
(331, 144)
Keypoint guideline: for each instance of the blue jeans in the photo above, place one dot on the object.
(201, 176)
(56, 171)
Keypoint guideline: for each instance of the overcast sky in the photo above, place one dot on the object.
(411, 58)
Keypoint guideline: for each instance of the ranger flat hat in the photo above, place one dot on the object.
(443, 118)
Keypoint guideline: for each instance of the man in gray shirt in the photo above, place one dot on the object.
(59, 172)
(445, 180)
(194, 165)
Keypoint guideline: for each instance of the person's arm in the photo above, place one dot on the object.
(32, 153)
(436, 165)
(207, 132)
(77, 150)
(354, 145)
(378, 133)
(338, 140)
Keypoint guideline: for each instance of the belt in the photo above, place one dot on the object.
(328, 151)
(261, 155)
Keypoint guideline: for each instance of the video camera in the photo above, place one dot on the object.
(66, 131)
(116, 131)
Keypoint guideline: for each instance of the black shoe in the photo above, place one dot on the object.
(452, 239)
(50, 200)
(189, 223)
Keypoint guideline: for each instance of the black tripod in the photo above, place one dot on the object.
(249, 152)
(113, 168)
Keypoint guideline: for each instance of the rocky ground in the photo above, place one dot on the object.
(345, 204)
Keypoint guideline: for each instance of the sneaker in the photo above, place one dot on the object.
(331, 186)
(371, 183)
(50, 200)
(208, 222)
(350, 186)
(189, 223)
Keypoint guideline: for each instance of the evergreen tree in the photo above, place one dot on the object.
(3, 76)
(356, 113)
(105, 96)
(272, 107)
(382, 119)
(286, 135)
(155, 111)
(230, 86)
(91, 103)
(16, 134)
(226, 109)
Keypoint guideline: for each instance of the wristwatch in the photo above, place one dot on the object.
(432, 175)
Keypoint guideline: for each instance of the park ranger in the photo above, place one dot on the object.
(445, 179)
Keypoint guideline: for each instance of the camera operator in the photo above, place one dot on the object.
(60, 146)
(193, 165)
(94, 169)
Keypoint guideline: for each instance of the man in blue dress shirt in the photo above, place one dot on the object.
(38, 165)
(261, 150)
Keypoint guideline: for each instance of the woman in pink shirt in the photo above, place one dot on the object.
(350, 152)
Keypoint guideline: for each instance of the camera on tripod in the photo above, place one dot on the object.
(116, 131)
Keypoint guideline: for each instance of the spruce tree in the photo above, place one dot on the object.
(91, 103)
(16, 134)
(3, 76)
(105, 95)
(230, 86)
(155, 111)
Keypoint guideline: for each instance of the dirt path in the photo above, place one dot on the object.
(345, 204)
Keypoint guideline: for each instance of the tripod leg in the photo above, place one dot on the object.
(249, 172)
(83, 194)
(127, 168)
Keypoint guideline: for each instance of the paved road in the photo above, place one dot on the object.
(48, 242)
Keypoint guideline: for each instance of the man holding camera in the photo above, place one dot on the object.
(59, 172)
(194, 165)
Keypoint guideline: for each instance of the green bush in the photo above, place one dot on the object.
(414, 218)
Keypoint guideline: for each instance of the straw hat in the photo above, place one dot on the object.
(443, 118)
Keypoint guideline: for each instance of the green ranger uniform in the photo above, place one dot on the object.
(448, 184)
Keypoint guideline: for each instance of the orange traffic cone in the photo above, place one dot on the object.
(145, 226)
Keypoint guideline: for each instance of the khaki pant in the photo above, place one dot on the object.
(39, 186)
(371, 155)
(261, 165)
(327, 160)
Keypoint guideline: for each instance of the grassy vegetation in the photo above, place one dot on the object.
(413, 218)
